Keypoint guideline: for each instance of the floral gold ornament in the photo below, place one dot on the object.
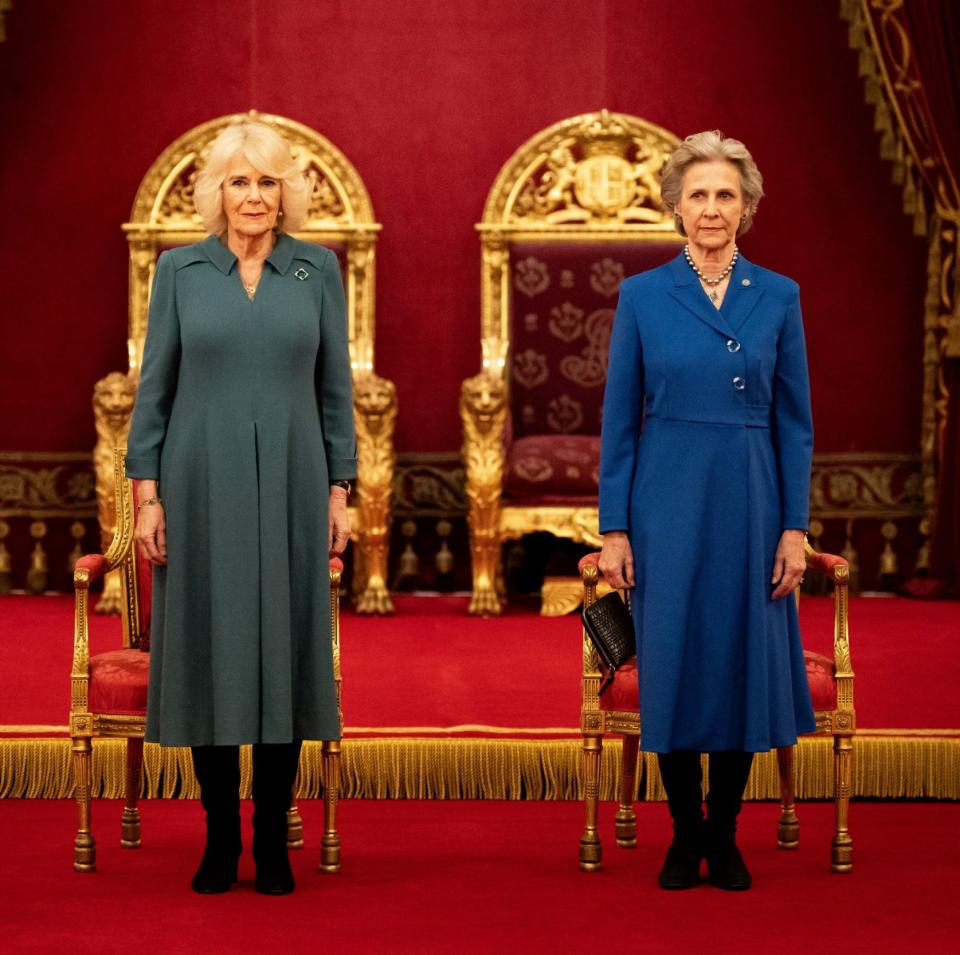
(606, 276)
(341, 216)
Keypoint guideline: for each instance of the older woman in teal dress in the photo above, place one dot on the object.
(242, 439)
(704, 482)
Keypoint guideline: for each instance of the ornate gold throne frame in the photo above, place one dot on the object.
(341, 215)
(587, 179)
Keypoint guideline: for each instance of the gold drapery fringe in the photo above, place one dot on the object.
(414, 768)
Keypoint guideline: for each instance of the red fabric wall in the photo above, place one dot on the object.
(428, 98)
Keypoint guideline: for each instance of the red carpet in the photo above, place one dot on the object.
(432, 666)
(459, 877)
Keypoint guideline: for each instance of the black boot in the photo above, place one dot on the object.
(681, 775)
(217, 769)
(274, 771)
(729, 771)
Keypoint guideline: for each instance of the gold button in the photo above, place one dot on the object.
(745, 282)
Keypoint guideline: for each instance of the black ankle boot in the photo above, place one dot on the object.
(726, 869)
(681, 775)
(274, 771)
(217, 769)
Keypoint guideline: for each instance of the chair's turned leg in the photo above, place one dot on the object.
(841, 852)
(84, 848)
(626, 819)
(294, 823)
(591, 852)
(330, 850)
(130, 821)
(788, 828)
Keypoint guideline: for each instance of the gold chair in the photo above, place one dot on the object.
(109, 690)
(341, 217)
(571, 213)
(617, 712)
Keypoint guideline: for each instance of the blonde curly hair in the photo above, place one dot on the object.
(266, 150)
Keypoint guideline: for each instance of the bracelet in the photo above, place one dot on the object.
(149, 502)
(346, 485)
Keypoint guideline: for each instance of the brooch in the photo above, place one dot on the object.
(301, 274)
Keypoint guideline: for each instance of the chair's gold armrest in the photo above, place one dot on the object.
(838, 570)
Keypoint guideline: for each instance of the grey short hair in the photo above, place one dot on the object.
(711, 146)
(266, 150)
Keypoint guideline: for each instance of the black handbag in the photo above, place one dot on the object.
(610, 628)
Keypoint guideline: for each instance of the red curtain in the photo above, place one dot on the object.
(918, 44)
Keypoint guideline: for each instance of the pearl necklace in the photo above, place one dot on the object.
(712, 282)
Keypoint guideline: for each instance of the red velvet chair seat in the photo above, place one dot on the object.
(118, 682)
(550, 464)
(623, 695)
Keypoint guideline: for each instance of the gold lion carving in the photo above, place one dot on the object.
(113, 399)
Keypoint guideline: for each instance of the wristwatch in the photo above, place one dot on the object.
(346, 485)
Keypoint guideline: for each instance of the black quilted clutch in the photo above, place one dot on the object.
(610, 628)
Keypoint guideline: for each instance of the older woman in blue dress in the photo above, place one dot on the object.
(704, 482)
(242, 438)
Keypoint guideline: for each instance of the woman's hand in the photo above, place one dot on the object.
(339, 535)
(151, 529)
(616, 560)
(789, 564)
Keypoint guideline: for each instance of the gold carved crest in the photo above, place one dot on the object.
(596, 168)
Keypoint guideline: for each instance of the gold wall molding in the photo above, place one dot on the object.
(40, 486)
(864, 485)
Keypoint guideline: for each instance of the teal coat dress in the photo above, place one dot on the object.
(705, 460)
(244, 415)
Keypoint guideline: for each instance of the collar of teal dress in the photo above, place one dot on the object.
(280, 258)
(743, 293)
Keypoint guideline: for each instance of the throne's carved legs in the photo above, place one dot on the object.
(130, 821)
(330, 851)
(375, 415)
(591, 851)
(625, 820)
(788, 828)
(841, 852)
(85, 850)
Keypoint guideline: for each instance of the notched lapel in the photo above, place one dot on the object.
(692, 298)
(741, 300)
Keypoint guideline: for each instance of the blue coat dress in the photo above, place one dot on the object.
(705, 459)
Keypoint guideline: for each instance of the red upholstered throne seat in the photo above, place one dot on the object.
(118, 682)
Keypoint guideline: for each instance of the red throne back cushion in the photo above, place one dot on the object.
(563, 298)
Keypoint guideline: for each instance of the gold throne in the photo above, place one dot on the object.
(341, 218)
(572, 212)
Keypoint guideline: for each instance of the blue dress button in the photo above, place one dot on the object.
(733, 345)
(739, 383)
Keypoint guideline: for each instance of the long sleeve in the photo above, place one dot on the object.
(158, 376)
(622, 419)
(792, 420)
(333, 382)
